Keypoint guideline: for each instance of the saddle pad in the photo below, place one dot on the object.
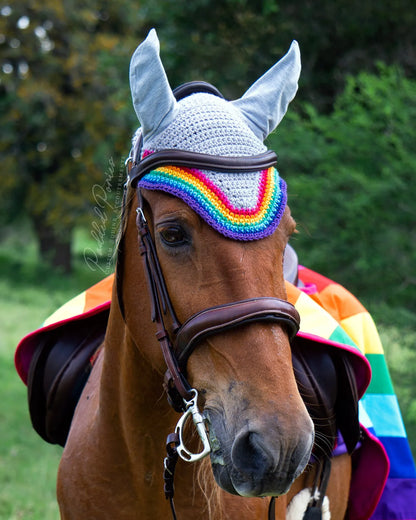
(95, 300)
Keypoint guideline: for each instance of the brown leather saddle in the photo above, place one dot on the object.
(64, 358)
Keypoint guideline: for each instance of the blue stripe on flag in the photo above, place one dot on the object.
(400, 456)
(384, 412)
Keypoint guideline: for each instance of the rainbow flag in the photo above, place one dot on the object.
(383, 484)
(378, 408)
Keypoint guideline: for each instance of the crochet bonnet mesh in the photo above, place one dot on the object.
(240, 205)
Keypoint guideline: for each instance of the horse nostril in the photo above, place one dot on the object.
(249, 455)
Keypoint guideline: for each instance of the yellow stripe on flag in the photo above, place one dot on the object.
(362, 330)
(69, 309)
(314, 320)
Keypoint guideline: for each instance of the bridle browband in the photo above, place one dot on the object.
(201, 160)
(178, 344)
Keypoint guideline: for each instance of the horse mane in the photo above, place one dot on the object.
(128, 198)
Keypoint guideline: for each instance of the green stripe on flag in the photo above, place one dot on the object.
(380, 381)
(340, 336)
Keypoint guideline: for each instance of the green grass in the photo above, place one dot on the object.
(27, 464)
(29, 292)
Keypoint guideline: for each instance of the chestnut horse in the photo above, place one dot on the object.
(111, 465)
(249, 412)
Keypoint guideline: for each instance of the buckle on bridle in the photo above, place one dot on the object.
(191, 409)
(140, 215)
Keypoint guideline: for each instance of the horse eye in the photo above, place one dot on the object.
(174, 236)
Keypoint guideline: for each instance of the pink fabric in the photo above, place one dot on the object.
(370, 471)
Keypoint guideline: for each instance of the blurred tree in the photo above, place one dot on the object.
(225, 42)
(232, 42)
(65, 107)
(350, 175)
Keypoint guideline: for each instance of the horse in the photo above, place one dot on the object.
(202, 316)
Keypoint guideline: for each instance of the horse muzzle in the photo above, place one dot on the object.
(260, 459)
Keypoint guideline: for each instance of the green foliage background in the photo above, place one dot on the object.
(351, 185)
(346, 149)
(66, 110)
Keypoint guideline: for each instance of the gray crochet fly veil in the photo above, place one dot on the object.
(209, 152)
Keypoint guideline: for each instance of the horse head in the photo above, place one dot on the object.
(214, 207)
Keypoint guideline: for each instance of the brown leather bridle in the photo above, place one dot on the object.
(178, 345)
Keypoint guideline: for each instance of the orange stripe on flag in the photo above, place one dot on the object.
(339, 302)
(99, 293)
(292, 293)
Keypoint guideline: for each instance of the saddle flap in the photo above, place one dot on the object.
(58, 372)
(346, 407)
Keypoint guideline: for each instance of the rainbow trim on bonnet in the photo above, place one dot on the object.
(213, 205)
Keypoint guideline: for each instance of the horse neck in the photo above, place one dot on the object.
(136, 417)
(131, 389)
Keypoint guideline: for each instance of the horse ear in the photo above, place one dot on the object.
(265, 102)
(153, 99)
